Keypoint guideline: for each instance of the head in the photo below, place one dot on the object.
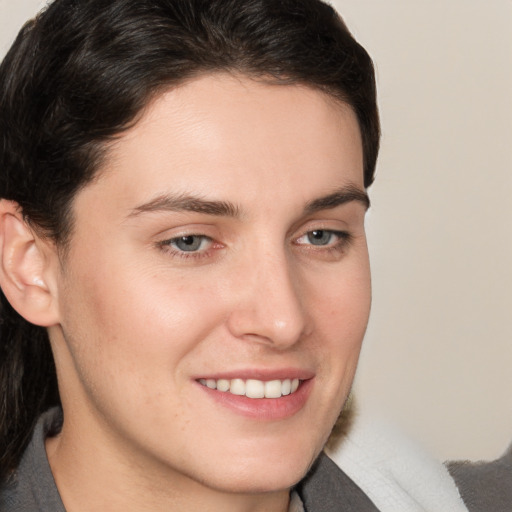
(193, 125)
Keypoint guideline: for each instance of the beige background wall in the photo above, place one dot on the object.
(438, 353)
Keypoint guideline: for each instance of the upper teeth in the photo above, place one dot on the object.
(253, 388)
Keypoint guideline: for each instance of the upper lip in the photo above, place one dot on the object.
(263, 374)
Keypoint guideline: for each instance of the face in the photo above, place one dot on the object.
(216, 291)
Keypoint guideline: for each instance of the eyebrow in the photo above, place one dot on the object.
(339, 197)
(187, 203)
(190, 203)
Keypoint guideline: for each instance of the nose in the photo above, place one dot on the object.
(268, 304)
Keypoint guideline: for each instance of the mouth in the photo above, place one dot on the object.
(261, 395)
(253, 388)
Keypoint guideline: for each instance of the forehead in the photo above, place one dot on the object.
(235, 137)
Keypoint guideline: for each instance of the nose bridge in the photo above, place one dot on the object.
(270, 305)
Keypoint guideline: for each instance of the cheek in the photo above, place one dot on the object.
(128, 327)
(341, 302)
(340, 306)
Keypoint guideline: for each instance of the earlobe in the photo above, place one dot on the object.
(25, 276)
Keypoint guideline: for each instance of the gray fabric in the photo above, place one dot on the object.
(485, 486)
(328, 489)
(32, 487)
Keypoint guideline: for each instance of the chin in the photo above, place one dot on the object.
(260, 482)
(268, 470)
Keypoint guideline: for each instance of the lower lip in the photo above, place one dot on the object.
(266, 409)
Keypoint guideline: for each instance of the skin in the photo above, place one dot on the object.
(138, 321)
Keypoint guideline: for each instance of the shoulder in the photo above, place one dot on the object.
(485, 486)
(31, 487)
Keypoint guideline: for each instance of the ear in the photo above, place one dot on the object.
(27, 264)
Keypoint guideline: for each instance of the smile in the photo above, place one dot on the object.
(252, 388)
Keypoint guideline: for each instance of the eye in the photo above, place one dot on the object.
(322, 237)
(189, 243)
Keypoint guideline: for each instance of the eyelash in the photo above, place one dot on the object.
(344, 239)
